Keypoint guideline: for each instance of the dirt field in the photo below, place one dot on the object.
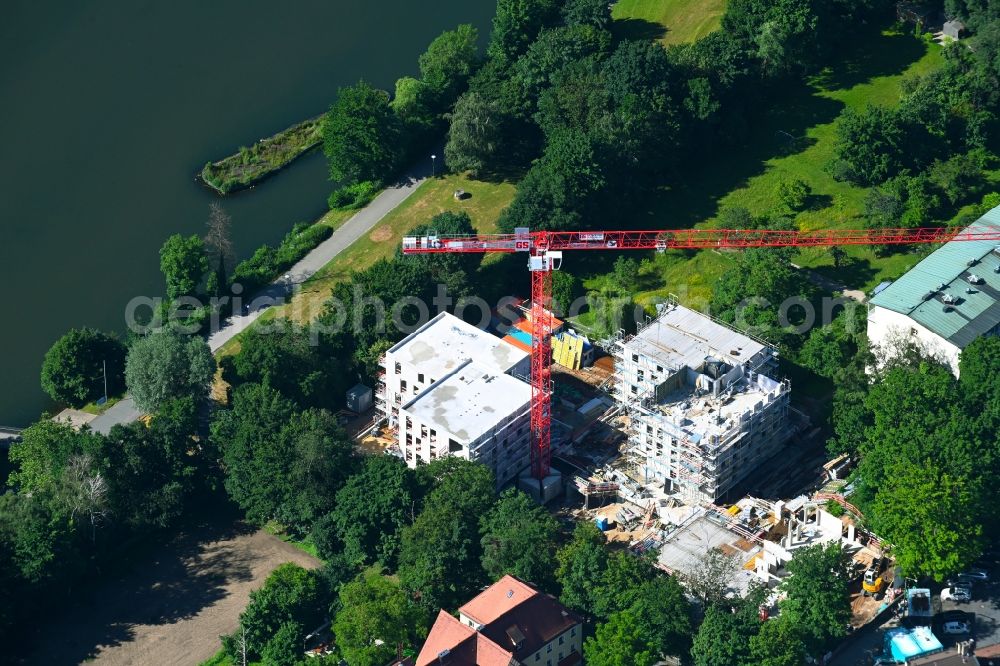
(172, 608)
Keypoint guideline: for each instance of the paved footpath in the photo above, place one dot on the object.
(343, 237)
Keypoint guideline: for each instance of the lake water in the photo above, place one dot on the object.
(109, 108)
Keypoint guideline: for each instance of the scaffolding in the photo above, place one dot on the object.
(684, 432)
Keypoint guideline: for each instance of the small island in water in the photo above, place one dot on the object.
(265, 157)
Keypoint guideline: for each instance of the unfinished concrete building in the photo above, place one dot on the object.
(703, 410)
(450, 388)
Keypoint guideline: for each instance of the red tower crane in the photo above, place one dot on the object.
(545, 248)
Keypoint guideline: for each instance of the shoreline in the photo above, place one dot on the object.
(264, 158)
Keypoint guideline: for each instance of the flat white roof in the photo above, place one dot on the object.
(680, 337)
(470, 401)
(446, 342)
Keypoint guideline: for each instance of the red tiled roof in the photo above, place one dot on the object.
(540, 620)
(448, 634)
(509, 610)
(489, 653)
(497, 599)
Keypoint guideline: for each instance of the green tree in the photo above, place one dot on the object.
(619, 642)
(565, 290)
(447, 64)
(166, 365)
(519, 538)
(582, 563)
(290, 595)
(371, 510)
(151, 470)
(375, 616)
(626, 274)
(410, 103)
(361, 135)
(74, 367)
(475, 134)
(777, 644)
(723, 639)
(663, 615)
(870, 144)
(818, 605)
(516, 25)
(560, 189)
(793, 193)
(440, 555)
(183, 262)
(751, 292)
(930, 517)
(44, 451)
(285, 647)
(596, 13)
(304, 367)
(453, 270)
(279, 463)
(979, 372)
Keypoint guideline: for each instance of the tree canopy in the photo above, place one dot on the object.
(166, 365)
(183, 262)
(73, 371)
(361, 135)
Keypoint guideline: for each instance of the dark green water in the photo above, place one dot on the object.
(109, 108)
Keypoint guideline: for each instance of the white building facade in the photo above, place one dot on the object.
(943, 303)
(450, 388)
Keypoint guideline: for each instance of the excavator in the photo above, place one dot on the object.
(874, 583)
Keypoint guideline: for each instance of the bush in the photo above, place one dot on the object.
(793, 193)
(267, 262)
(351, 197)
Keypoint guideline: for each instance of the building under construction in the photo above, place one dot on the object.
(703, 410)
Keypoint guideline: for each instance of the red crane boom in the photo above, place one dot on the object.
(545, 255)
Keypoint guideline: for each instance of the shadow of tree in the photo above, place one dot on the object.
(778, 130)
(852, 271)
(869, 54)
(636, 28)
(818, 202)
(174, 583)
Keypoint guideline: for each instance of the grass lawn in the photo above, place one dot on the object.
(434, 196)
(671, 21)
(793, 139)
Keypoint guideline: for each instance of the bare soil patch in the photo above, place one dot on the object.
(171, 608)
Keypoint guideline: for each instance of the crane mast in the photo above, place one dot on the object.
(545, 248)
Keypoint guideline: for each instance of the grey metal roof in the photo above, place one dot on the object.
(951, 271)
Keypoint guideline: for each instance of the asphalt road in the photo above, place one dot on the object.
(342, 238)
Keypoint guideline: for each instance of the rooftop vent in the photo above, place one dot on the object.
(972, 262)
(975, 279)
(929, 295)
(510, 593)
(947, 308)
(970, 290)
(942, 286)
(949, 298)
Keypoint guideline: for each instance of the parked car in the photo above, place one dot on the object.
(953, 628)
(976, 575)
(957, 593)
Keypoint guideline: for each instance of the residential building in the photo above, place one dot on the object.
(704, 412)
(450, 388)
(944, 302)
(509, 623)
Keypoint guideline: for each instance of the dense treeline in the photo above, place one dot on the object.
(597, 123)
(369, 135)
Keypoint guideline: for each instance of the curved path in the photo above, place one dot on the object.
(342, 238)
